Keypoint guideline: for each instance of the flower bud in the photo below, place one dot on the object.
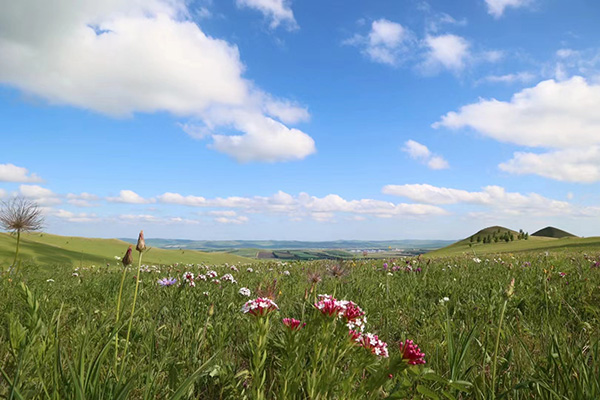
(141, 244)
(127, 258)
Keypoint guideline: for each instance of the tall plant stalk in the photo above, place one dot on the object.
(135, 294)
(140, 247)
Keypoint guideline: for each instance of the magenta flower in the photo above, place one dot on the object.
(372, 342)
(353, 315)
(411, 353)
(259, 307)
(293, 324)
(329, 306)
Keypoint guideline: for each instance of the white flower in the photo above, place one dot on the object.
(249, 270)
(286, 273)
(444, 300)
(229, 277)
(50, 280)
(390, 274)
(477, 260)
(244, 291)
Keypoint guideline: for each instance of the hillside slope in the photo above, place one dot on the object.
(533, 243)
(552, 232)
(46, 249)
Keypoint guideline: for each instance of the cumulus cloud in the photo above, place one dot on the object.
(519, 77)
(551, 114)
(40, 195)
(75, 217)
(122, 57)
(232, 220)
(570, 165)
(386, 43)
(154, 219)
(560, 116)
(496, 7)
(391, 43)
(12, 173)
(420, 152)
(130, 197)
(82, 200)
(318, 208)
(494, 197)
(446, 51)
(278, 12)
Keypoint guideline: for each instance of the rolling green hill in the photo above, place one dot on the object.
(533, 243)
(46, 249)
(552, 232)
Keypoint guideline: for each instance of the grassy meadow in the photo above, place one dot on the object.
(61, 336)
(54, 250)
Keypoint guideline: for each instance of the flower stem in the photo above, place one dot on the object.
(14, 264)
(137, 285)
(494, 363)
(118, 315)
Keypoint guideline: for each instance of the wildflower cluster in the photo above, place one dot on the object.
(188, 278)
(411, 353)
(293, 324)
(370, 342)
(350, 312)
(259, 306)
(228, 278)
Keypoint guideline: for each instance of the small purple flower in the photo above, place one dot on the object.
(167, 281)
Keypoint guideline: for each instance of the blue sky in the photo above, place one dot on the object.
(311, 120)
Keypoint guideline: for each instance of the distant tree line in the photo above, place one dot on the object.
(498, 236)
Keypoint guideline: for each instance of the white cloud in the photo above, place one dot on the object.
(551, 114)
(278, 12)
(232, 220)
(223, 213)
(12, 173)
(153, 219)
(122, 57)
(82, 200)
(437, 162)
(75, 217)
(496, 7)
(318, 208)
(420, 152)
(571, 165)
(265, 139)
(40, 195)
(130, 197)
(494, 197)
(448, 51)
(519, 77)
(386, 43)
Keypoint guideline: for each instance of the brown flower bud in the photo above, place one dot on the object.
(127, 258)
(141, 244)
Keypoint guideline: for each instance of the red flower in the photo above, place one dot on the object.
(411, 353)
(293, 324)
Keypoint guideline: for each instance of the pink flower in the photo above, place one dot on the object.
(411, 353)
(259, 307)
(353, 315)
(329, 306)
(293, 324)
(372, 342)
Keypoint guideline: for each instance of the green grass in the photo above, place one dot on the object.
(57, 337)
(46, 249)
